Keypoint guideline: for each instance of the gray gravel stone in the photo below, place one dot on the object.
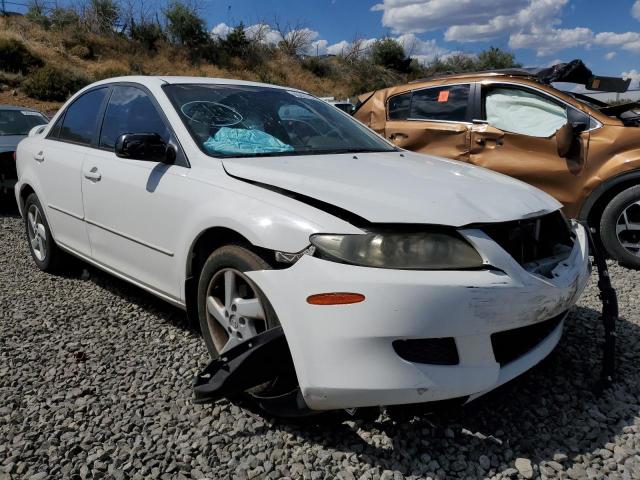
(95, 382)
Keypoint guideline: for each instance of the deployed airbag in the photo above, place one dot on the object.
(524, 113)
(229, 141)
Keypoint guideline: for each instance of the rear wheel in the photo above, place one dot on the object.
(43, 248)
(620, 227)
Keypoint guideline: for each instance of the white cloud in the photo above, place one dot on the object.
(532, 24)
(549, 40)
(536, 14)
(221, 30)
(610, 55)
(418, 16)
(627, 41)
(635, 10)
(338, 48)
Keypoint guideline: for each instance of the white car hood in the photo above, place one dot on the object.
(390, 188)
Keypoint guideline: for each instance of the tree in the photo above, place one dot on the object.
(295, 39)
(490, 59)
(103, 15)
(184, 25)
(495, 58)
(237, 44)
(389, 53)
(37, 13)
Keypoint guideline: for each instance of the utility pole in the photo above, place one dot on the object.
(4, 8)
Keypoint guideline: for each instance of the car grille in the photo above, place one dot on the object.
(510, 345)
(531, 240)
(435, 351)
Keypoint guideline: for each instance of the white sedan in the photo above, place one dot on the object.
(384, 277)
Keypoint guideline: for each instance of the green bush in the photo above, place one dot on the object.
(320, 67)
(50, 83)
(147, 33)
(184, 25)
(16, 57)
(389, 53)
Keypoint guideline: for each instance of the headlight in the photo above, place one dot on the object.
(428, 250)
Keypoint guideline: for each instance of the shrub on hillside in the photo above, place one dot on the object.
(61, 18)
(238, 45)
(320, 67)
(50, 83)
(16, 57)
(81, 51)
(389, 53)
(184, 25)
(147, 33)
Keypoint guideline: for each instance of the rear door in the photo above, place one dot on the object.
(433, 120)
(59, 166)
(517, 135)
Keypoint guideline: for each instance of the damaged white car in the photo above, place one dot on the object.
(326, 268)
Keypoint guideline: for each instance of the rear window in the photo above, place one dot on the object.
(19, 122)
(439, 103)
(80, 120)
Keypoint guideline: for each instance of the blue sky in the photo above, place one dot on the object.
(605, 34)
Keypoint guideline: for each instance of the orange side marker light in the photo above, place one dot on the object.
(335, 298)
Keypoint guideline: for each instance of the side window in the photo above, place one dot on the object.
(80, 120)
(399, 106)
(523, 112)
(130, 110)
(442, 103)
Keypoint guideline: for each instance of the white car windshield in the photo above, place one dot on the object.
(255, 121)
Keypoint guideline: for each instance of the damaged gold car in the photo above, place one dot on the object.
(584, 152)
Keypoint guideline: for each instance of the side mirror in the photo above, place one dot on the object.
(565, 136)
(145, 146)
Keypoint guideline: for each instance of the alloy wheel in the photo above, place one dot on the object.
(234, 310)
(628, 228)
(37, 233)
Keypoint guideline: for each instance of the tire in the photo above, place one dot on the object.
(43, 248)
(234, 260)
(615, 235)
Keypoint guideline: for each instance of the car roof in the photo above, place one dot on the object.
(159, 80)
(508, 72)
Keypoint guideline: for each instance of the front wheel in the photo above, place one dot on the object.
(620, 227)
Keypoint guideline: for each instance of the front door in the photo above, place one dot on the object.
(133, 208)
(432, 120)
(518, 136)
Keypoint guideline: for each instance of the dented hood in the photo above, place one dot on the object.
(391, 188)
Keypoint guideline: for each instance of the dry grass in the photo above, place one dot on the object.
(120, 55)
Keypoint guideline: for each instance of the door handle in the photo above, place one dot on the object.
(93, 175)
(39, 157)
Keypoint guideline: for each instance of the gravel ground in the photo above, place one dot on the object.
(95, 383)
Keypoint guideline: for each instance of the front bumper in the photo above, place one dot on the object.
(343, 354)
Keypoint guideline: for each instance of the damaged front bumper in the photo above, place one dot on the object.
(347, 356)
